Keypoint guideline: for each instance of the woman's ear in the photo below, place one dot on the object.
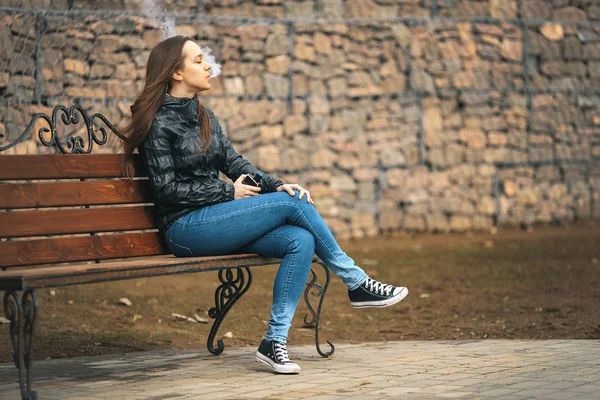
(177, 76)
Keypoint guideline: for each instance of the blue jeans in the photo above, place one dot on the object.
(272, 225)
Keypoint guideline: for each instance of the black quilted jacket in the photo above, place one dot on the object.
(182, 177)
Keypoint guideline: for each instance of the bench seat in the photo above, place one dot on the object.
(70, 219)
(46, 276)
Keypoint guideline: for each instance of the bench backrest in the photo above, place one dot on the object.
(67, 208)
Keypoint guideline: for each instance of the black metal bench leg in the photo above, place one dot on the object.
(319, 291)
(22, 314)
(234, 284)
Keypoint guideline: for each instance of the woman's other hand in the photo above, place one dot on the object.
(242, 191)
(294, 186)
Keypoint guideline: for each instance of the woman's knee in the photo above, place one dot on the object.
(302, 240)
(286, 196)
(295, 200)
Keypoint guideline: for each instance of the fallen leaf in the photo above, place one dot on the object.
(183, 317)
(136, 317)
(70, 301)
(53, 292)
(125, 301)
(200, 319)
(4, 320)
(424, 295)
(228, 335)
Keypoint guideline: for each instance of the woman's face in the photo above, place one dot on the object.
(195, 74)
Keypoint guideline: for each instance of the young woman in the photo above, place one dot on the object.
(184, 148)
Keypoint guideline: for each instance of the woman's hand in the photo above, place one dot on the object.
(242, 191)
(294, 186)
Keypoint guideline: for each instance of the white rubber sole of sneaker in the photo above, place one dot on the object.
(280, 369)
(382, 303)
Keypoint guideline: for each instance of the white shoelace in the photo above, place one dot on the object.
(281, 352)
(378, 287)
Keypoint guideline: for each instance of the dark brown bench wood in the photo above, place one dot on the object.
(69, 219)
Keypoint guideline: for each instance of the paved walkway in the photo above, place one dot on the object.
(488, 369)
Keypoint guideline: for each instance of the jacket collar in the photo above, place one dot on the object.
(187, 106)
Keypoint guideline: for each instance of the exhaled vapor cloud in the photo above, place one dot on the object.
(153, 11)
(215, 69)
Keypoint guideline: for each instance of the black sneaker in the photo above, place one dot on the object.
(275, 355)
(376, 294)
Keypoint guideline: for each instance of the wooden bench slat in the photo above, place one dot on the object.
(52, 276)
(112, 265)
(64, 166)
(70, 249)
(71, 221)
(60, 194)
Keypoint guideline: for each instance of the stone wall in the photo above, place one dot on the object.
(562, 10)
(393, 124)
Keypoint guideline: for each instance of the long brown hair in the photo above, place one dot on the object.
(165, 58)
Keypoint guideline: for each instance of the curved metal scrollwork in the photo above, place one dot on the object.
(13, 311)
(312, 287)
(319, 291)
(227, 294)
(75, 144)
(30, 306)
(22, 316)
(102, 130)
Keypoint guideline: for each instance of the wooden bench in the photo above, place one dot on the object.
(68, 219)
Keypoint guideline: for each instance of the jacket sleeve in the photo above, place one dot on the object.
(235, 165)
(166, 188)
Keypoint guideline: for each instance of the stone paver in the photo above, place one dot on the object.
(490, 369)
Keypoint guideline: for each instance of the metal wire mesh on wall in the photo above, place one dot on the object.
(437, 115)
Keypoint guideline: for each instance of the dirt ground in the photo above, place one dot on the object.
(513, 284)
